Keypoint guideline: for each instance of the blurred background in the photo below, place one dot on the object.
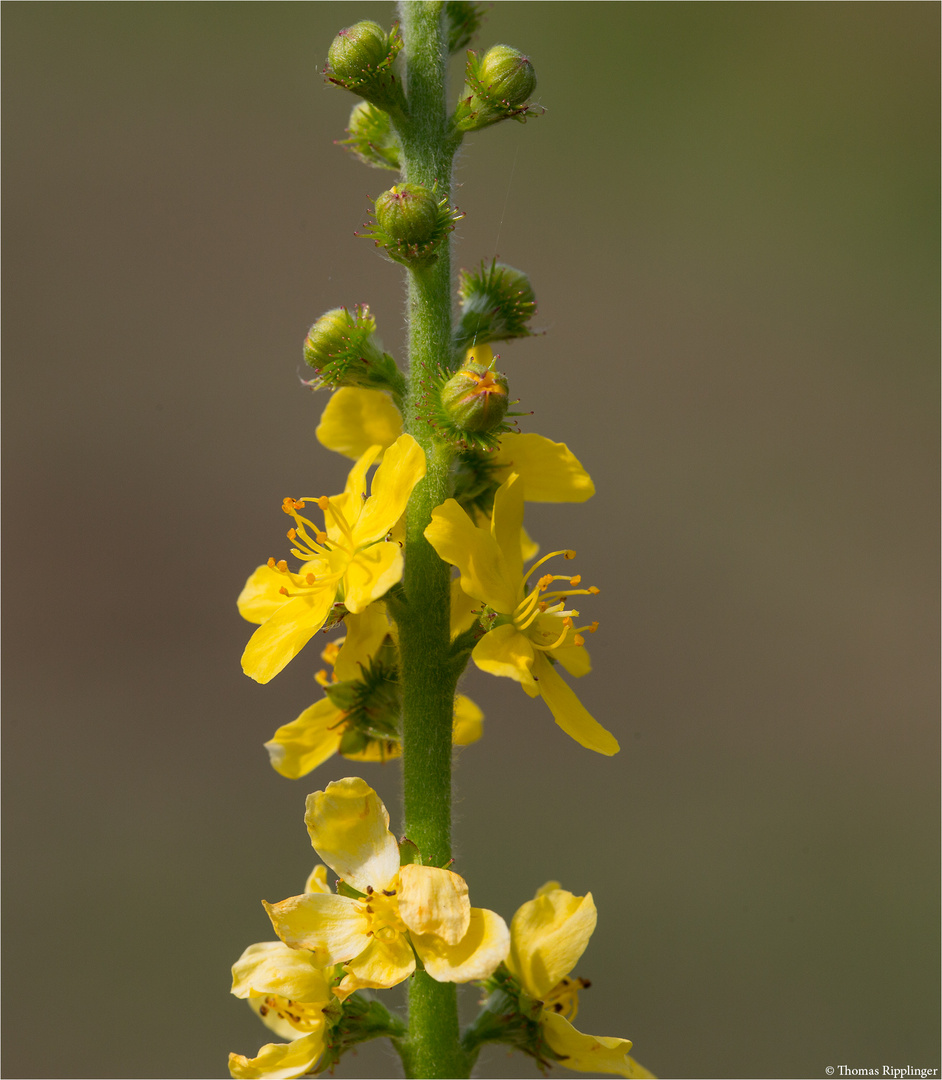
(729, 215)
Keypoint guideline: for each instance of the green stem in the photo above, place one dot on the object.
(428, 678)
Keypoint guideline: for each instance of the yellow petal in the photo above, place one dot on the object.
(484, 572)
(331, 927)
(574, 658)
(588, 1053)
(365, 633)
(280, 638)
(349, 828)
(383, 963)
(547, 936)
(569, 712)
(403, 466)
(477, 956)
(505, 651)
(468, 724)
(280, 1061)
(261, 597)
(550, 471)
(297, 748)
(370, 574)
(464, 609)
(317, 880)
(271, 967)
(356, 419)
(507, 524)
(434, 901)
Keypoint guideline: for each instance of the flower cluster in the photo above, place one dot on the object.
(311, 987)
(420, 566)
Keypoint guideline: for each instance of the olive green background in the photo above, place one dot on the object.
(728, 213)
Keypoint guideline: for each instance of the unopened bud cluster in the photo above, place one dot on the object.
(372, 138)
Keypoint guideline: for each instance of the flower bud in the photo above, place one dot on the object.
(497, 86)
(408, 212)
(507, 74)
(411, 224)
(343, 350)
(360, 59)
(475, 399)
(463, 17)
(372, 138)
(497, 302)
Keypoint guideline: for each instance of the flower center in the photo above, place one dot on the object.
(315, 547)
(299, 1014)
(381, 910)
(546, 623)
(564, 997)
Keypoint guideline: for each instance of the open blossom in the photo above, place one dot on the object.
(290, 995)
(531, 626)
(548, 935)
(399, 908)
(348, 562)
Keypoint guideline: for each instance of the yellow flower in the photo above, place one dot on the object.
(349, 562)
(289, 993)
(398, 909)
(355, 420)
(359, 717)
(548, 935)
(531, 627)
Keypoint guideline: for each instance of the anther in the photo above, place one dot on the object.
(575, 580)
(594, 589)
(283, 591)
(323, 502)
(569, 554)
(282, 566)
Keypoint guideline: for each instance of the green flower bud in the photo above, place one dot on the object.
(343, 350)
(411, 224)
(497, 302)
(372, 138)
(408, 212)
(497, 86)
(360, 59)
(356, 49)
(475, 399)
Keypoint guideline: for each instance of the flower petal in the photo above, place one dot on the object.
(477, 956)
(371, 573)
(569, 712)
(356, 419)
(547, 936)
(468, 724)
(297, 748)
(280, 638)
(551, 472)
(317, 880)
(484, 572)
(402, 467)
(271, 967)
(281, 1061)
(331, 927)
(383, 963)
(507, 523)
(349, 828)
(434, 901)
(575, 659)
(365, 633)
(505, 651)
(261, 597)
(588, 1053)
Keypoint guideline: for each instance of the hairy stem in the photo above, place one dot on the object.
(432, 1048)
